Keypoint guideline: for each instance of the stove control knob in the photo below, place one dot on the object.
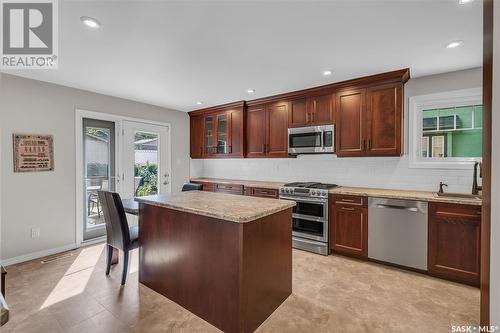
(313, 192)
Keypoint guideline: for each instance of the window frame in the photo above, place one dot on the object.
(417, 104)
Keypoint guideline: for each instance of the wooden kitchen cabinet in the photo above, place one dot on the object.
(267, 130)
(312, 111)
(219, 130)
(384, 120)
(261, 192)
(349, 225)
(206, 186)
(455, 242)
(196, 136)
(369, 121)
(350, 125)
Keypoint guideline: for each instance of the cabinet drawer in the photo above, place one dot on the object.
(229, 188)
(207, 186)
(351, 200)
(264, 192)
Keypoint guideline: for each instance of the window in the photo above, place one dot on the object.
(446, 129)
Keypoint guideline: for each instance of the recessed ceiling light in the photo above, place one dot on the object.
(455, 43)
(199, 103)
(90, 22)
(326, 73)
(250, 91)
(463, 2)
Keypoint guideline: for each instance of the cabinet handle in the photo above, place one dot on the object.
(201, 150)
(230, 149)
(345, 208)
(347, 200)
(369, 144)
(364, 145)
(264, 148)
(307, 117)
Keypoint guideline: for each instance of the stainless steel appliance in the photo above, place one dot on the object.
(310, 215)
(397, 232)
(311, 140)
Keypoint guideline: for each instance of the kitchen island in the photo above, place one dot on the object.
(224, 257)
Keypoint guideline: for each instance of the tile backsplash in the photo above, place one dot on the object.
(379, 172)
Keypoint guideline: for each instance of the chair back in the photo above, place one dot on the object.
(117, 231)
(191, 187)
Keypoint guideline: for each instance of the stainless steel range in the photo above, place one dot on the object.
(310, 215)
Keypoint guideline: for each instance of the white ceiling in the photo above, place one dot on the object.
(173, 54)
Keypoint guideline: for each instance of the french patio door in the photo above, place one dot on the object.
(145, 163)
(99, 172)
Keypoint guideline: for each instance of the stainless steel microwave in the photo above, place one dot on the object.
(311, 140)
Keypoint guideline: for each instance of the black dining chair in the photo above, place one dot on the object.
(119, 235)
(191, 187)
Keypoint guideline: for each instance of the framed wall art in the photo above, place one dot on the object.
(33, 152)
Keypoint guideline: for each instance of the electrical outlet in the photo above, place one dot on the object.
(35, 232)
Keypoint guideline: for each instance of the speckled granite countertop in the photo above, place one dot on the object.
(249, 183)
(404, 195)
(370, 192)
(229, 207)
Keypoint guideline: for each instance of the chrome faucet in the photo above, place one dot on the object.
(441, 184)
(475, 187)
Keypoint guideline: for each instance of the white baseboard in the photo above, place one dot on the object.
(39, 254)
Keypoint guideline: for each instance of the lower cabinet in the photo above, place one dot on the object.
(454, 242)
(261, 192)
(206, 186)
(349, 225)
(229, 188)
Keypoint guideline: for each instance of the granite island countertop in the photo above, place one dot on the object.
(347, 190)
(229, 207)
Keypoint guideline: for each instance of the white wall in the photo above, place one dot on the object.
(495, 184)
(47, 199)
(367, 172)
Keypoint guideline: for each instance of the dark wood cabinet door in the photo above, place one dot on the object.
(384, 119)
(298, 114)
(236, 133)
(454, 242)
(350, 106)
(321, 110)
(349, 229)
(256, 131)
(196, 136)
(277, 130)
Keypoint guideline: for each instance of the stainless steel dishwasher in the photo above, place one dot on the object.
(397, 231)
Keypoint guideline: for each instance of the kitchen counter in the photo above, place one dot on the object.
(222, 206)
(247, 183)
(403, 195)
(370, 192)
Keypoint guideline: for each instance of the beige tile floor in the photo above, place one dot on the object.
(330, 294)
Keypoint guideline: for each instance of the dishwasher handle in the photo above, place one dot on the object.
(411, 209)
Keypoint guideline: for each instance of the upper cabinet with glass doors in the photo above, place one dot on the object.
(217, 132)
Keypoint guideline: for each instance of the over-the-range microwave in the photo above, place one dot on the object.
(311, 140)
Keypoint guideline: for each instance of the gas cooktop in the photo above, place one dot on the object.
(314, 185)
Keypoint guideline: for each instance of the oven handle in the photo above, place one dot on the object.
(309, 218)
(321, 201)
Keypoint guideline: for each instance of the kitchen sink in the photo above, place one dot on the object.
(458, 195)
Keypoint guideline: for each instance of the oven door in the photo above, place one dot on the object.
(310, 229)
(310, 218)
